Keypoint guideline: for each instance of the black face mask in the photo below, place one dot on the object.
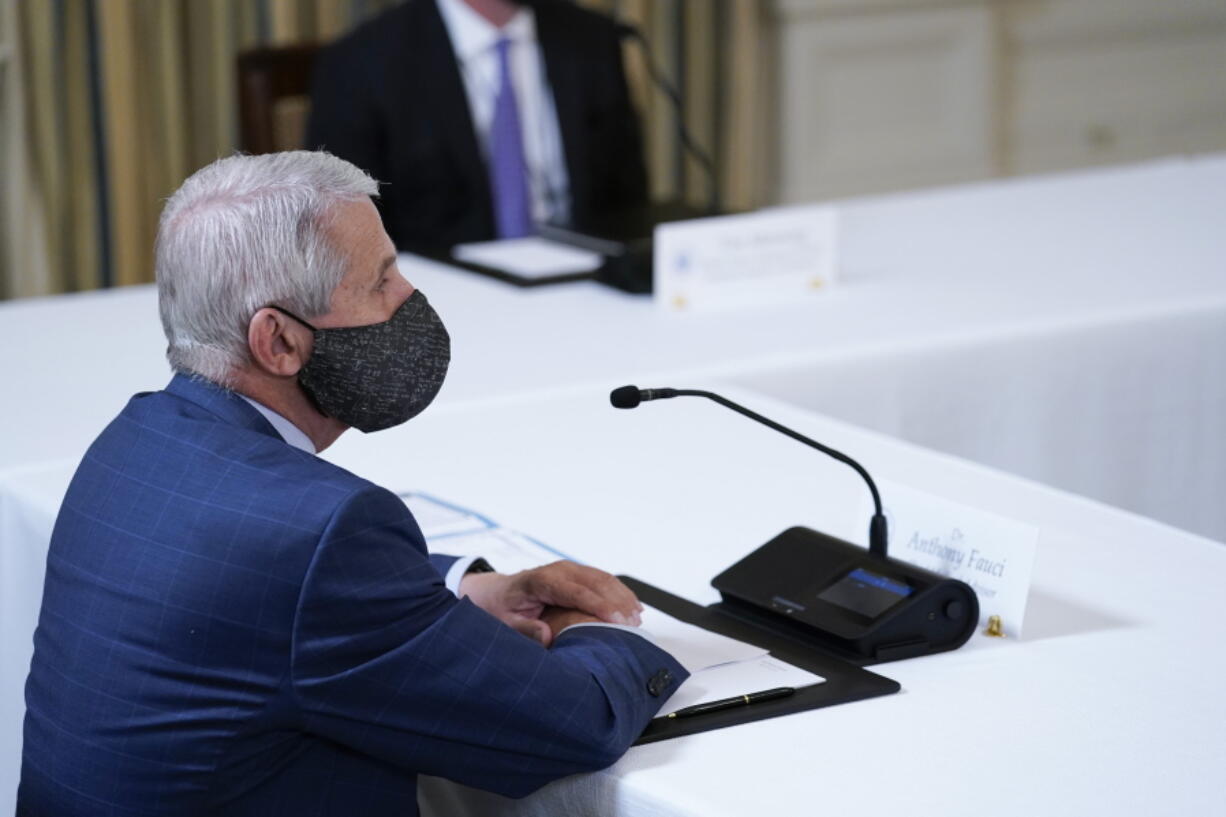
(380, 375)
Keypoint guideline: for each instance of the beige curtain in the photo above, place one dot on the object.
(713, 53)
(126, 98)
(123, 100)
(60, 249)
(18, 219)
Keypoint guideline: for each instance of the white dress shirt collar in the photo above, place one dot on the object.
(474, 40)
(288, 431)
(473, 35)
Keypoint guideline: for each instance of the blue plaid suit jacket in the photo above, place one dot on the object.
(233, 626)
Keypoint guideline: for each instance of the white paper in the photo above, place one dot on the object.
(508, 551)
(770, 256)
(991, 553)
(740, 678)
(505, 550)
(694, 648)
(531, 257)
(437, 518)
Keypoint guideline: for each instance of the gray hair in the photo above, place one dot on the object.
(240, 234)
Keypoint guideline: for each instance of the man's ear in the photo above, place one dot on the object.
(279, 346)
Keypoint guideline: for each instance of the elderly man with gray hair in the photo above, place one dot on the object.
(232, 625)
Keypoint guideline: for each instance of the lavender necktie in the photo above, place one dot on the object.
(508, 173)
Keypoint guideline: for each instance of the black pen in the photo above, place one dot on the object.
(732, 703)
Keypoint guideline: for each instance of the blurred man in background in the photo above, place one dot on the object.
(483, 117)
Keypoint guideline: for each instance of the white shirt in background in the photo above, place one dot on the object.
(474, 40)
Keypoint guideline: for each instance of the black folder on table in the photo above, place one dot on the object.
(623, 237)
(446, 257)
(844, 683)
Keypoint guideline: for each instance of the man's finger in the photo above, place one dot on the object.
(609, 587)
(614, 588)
(560, 590)
(534, 628)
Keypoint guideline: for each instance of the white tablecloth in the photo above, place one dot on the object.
(1110, 704)
(1070, 329)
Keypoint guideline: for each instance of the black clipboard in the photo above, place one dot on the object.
(445, 257)
(845, 682)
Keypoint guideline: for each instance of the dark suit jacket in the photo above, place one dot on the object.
(231, 626)
(389, 98)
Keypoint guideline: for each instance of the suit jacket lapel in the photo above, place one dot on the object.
(447, 101)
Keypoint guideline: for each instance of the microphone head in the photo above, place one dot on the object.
(627, 397)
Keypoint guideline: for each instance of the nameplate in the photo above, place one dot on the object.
(991, 553)
(729, 262)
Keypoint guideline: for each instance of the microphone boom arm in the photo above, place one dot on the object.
(878, 535)
(632, 32)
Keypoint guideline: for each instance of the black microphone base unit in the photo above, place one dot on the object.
(624, 237)
(859, 605)
(837, 597)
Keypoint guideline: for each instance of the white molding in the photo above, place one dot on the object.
(883, 102)
(882, 95)
(789, 10)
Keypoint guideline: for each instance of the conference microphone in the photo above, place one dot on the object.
(864, 607)
(628, 397)
(628, 31)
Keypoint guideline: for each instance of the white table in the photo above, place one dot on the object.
(1110, 704)
(1070, 329)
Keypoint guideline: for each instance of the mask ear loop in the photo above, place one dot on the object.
(307, 392)
(292, 315)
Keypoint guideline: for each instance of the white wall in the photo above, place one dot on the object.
(878, 95)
